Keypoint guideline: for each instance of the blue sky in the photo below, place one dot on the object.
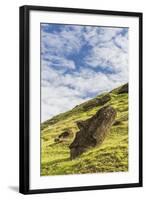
(78, 63)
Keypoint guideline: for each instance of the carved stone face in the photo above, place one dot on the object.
(93, 131)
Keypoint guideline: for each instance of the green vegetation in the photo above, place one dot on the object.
(110, 156)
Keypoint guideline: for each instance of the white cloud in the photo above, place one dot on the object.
(56, 100)
(110, 56)
(122, 42)
(62, 94)
(63, 42)
(64, 84)
(97, 35)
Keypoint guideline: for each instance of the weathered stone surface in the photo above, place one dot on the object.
(123, 89)
(104, 99)
(92, 131)
(98, 102)
(63, 136)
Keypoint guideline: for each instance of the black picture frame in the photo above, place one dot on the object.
(25, 105)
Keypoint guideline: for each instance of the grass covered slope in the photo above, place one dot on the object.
(110, 156)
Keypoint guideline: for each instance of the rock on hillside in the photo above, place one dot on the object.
(123, 89)
(92, 131)
(63, 136)
(97, 102)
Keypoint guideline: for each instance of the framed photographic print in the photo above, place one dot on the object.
(80, 99)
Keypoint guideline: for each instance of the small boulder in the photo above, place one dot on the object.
(93, 131)
(63, 136)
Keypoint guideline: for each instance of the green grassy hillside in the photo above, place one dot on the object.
(110, 156)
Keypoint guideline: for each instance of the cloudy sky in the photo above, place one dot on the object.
(78, 63)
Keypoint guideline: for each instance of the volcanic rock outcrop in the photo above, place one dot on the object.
(123, 89)
(98, 102)
(92, 131)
